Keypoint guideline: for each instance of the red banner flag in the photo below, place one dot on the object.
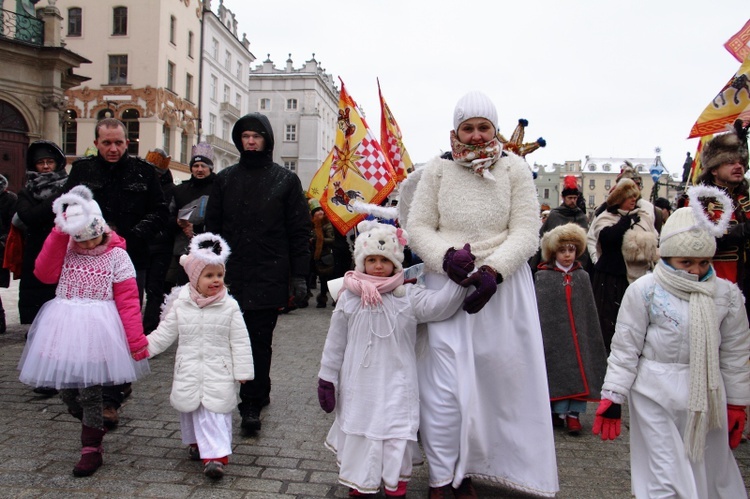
(357, 168)
(697, 167)
(392, 141)
(739, 44)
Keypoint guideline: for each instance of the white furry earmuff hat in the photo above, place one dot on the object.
(692, 231)
(379, 239)
(205, 249)
(77, 214)
(569, 233)
(474, 105)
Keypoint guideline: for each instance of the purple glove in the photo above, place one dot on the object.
(608, 420)
(458, 263)
(485, 280)
(326, 395)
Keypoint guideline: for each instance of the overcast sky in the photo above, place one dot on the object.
(595, 78)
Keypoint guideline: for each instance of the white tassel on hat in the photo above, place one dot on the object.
(77, 214)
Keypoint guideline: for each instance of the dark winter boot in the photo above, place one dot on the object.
(3, 326)
(91, 451)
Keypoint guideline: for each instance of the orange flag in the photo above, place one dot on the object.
(357, 168)
(739, 44)
(732, 102)
(392, 141)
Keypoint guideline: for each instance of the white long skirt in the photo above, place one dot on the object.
(484, 400)
(78, 343)
(211, 431)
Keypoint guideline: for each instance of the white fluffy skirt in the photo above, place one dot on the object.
(78, 343)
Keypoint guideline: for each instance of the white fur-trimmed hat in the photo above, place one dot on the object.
(475, 105)
(77, 214)
(379, 239)
(692, 231)
(205, 249)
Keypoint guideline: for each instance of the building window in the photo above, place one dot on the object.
(120, 21)
(225, 129)
(291, 104)
(166, 132)
(212, 124)
(75, 21)
(226, 93)
(546, 193)
(239, 70)
(228, 60)
(172, 29)
(184, 148)
(189, 87)
(291, 133)
(264, 104)
(70, 132)
(238, 101)
(215, 49)
(170, 76)
(592, 184)
(118, 70)
(212, 88)
(608, 184)
(133, 126)
(290, 164)
(191, 39)
(591, 201)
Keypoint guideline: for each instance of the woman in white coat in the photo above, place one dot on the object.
(213, 353)
(483, 386)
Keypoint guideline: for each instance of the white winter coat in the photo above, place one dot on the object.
(649, 363)
(213, 352)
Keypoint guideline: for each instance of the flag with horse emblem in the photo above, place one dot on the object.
(731, 103)
(357, 168)
(392, 141)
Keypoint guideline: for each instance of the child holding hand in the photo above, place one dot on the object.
(84, 337)
(213, 353)
(679, 355)
(368, 371)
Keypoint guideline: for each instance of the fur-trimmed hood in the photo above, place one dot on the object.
(568, 233)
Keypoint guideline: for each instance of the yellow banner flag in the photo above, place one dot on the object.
(732, 102)
(319, 181)
(697, 167)
(392, 141)
(357, 168)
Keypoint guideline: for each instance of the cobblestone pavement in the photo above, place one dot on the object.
(144, 456)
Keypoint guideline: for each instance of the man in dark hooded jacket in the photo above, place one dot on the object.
(259, 208)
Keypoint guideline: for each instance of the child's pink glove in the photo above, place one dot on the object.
(140, 354)
(458, 263)
(326, 395)
(736, 418)
(608, 420)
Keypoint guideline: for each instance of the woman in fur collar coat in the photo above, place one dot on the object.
(479, 417)
(626, 249)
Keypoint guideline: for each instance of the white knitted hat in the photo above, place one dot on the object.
(379, 239)
(691, 231)
(205, 249)
(474, 105)
(77, 214)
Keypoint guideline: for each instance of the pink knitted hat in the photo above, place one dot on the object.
(205, 249)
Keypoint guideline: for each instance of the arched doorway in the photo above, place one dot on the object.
(14, 141)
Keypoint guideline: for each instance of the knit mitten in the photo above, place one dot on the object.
(736, 418)
(458, 263)
(485, 280)
(326, 395)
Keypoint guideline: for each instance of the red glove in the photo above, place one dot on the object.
(458, 263)
(736, 418)
(607, 421)
(485, 280)
(140, 354)
(326, 395)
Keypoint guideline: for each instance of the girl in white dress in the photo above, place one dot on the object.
(368, 370)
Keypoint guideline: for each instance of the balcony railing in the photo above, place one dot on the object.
(21, 27)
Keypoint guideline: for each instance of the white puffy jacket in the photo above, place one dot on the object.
(213, 352)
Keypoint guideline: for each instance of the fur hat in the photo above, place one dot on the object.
(159, 158)
(379, 239)
(204, 153)
(570, 186)
(692, 231)
(569, 233)
(474, 105)
(726, 148)
(77, 214)
(624, 189)
(205, 249)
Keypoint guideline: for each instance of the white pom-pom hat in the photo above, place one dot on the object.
(379, 239)
(474, 105)
(77, 214)
(205, 249)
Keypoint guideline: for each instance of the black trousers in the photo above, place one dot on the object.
(156, 275)
(260, 325)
